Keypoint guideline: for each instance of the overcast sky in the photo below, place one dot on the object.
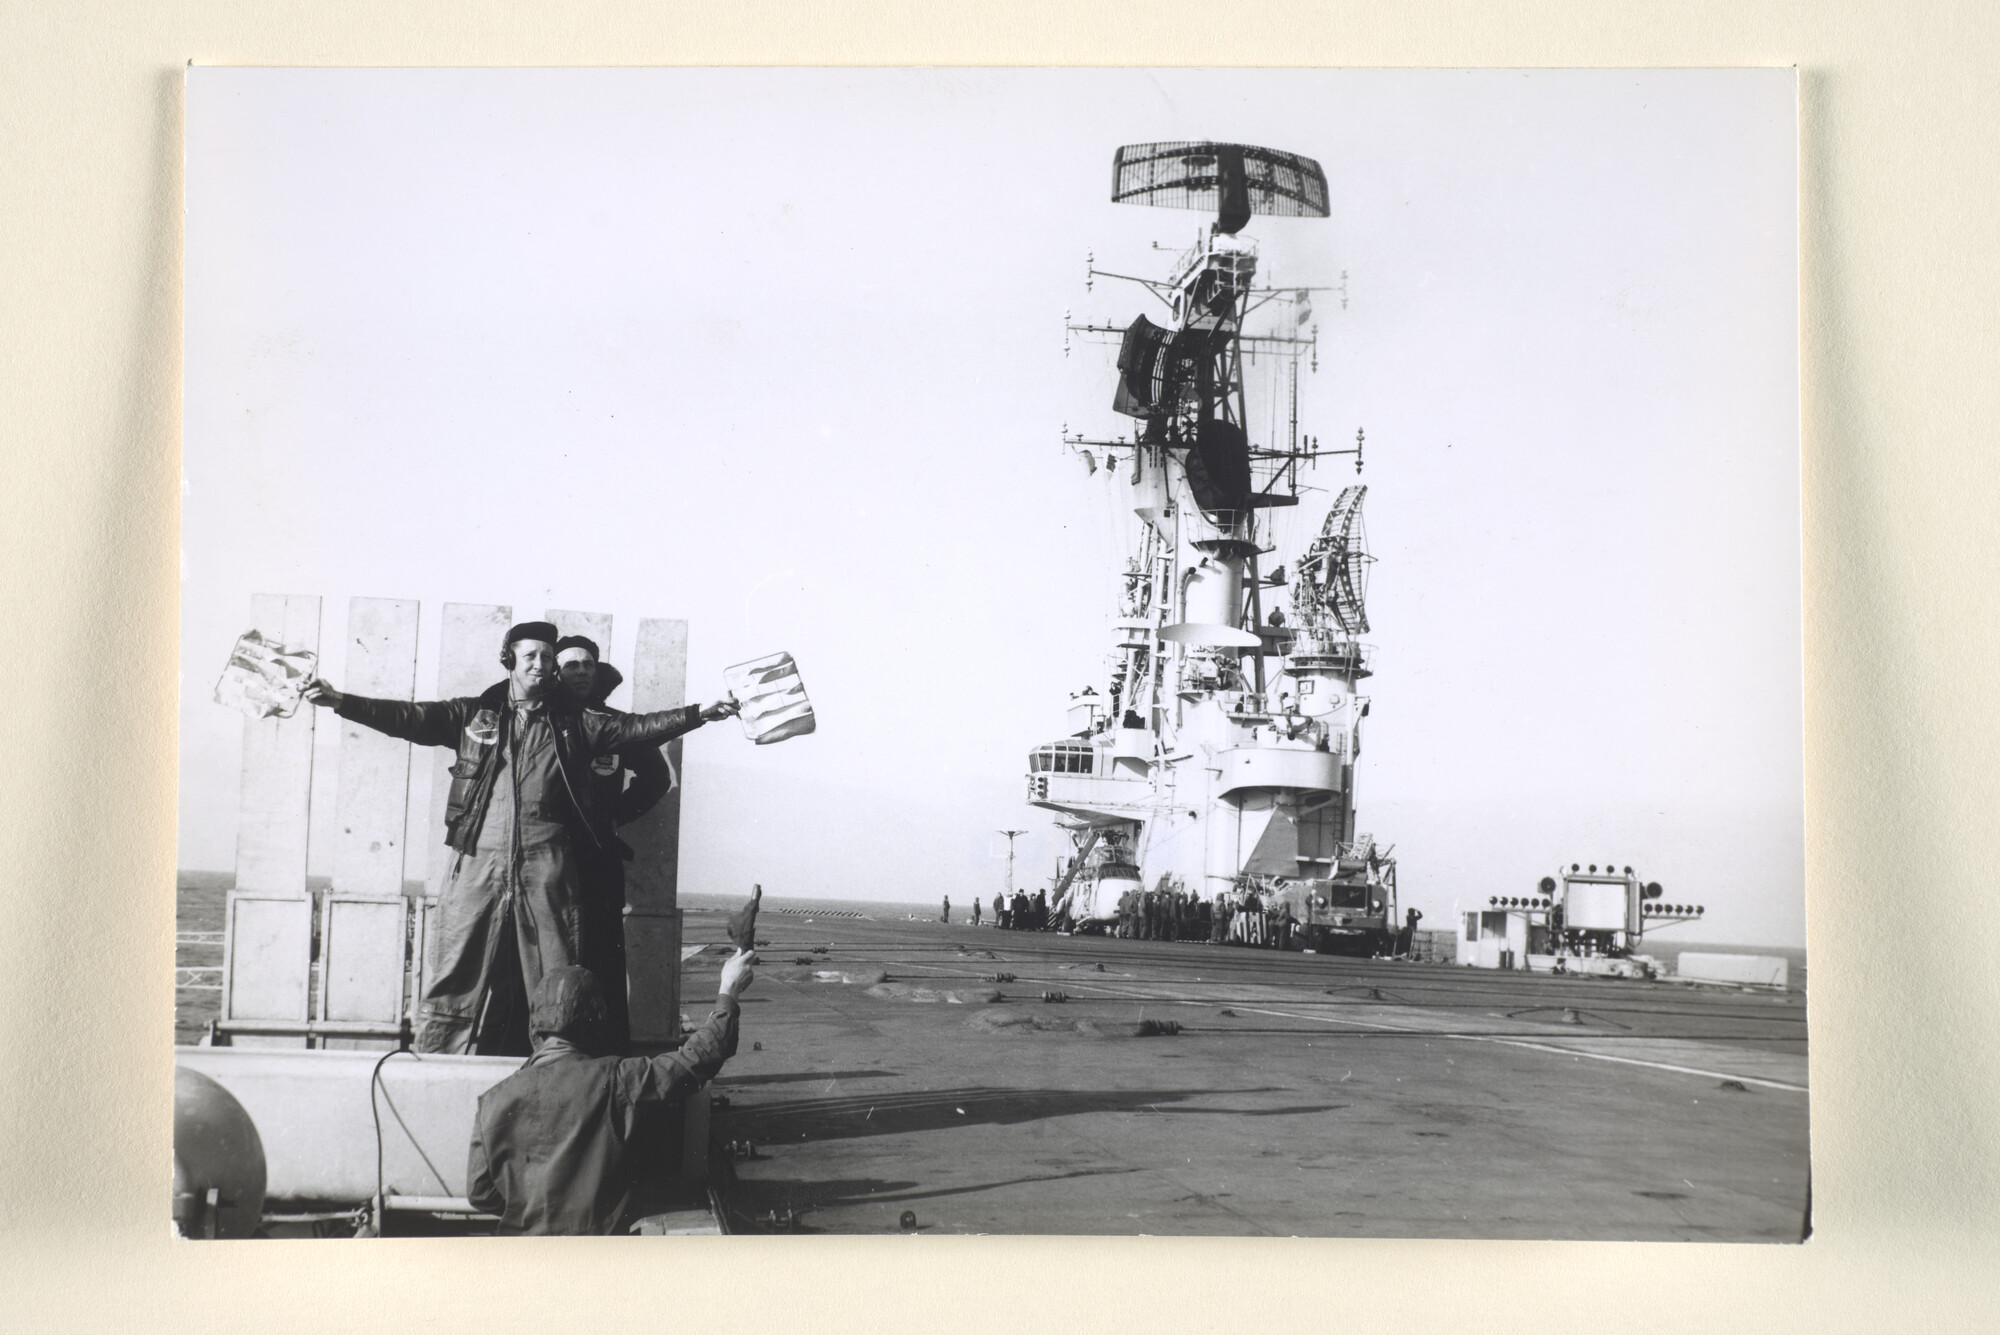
(782, 353)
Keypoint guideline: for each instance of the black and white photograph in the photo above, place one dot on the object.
(991, 651)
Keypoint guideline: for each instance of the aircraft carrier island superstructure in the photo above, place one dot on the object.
(1218, 762)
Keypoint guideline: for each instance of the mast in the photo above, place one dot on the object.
(1216, 788)
(1011, 834)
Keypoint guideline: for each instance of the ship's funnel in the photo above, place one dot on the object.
(1212, 591)
(1211, 605)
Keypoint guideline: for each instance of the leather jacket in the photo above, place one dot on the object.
(480, 727)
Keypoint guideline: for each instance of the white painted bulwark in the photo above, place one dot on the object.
(267, 961)
(1119, 793)
(363, 947)
(658, 673)
(1132, 752)
(1263, 767)
(373, 799)
(1754, 970)
(313, 1114)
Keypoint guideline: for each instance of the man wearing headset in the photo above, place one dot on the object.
(521, 801)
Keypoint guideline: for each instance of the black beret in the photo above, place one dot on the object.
(577, 642)
(544, 631)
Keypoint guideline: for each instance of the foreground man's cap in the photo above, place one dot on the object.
(567, 1004)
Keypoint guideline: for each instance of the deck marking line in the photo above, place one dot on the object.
(1541, 1047)
(1486, 1038)
(1463, 1038)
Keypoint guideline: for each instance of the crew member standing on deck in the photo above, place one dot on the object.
(616, 802)
(946, 915)
(1000, 911)
(519, 802)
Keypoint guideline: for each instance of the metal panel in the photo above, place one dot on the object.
(659, 681)
(468, 662)
(276, 803)
(267, 959)
(363, 940)
(594, 625)
(317, 1120)
(373, 802)
(1591, 907)
(652, 919)
(653, 976)
(426, 912)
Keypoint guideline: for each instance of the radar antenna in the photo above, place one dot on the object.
(1236, 180)
(1330, 590)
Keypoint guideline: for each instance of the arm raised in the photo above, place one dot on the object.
(672, 1076)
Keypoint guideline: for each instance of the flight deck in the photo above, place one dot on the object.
(1279, 1094)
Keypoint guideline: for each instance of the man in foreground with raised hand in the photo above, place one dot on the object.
(552, 1143)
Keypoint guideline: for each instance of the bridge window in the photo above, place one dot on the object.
(1066, 757)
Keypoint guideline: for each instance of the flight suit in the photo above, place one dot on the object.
(519, 807)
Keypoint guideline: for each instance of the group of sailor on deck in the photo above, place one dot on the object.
(528, 956)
